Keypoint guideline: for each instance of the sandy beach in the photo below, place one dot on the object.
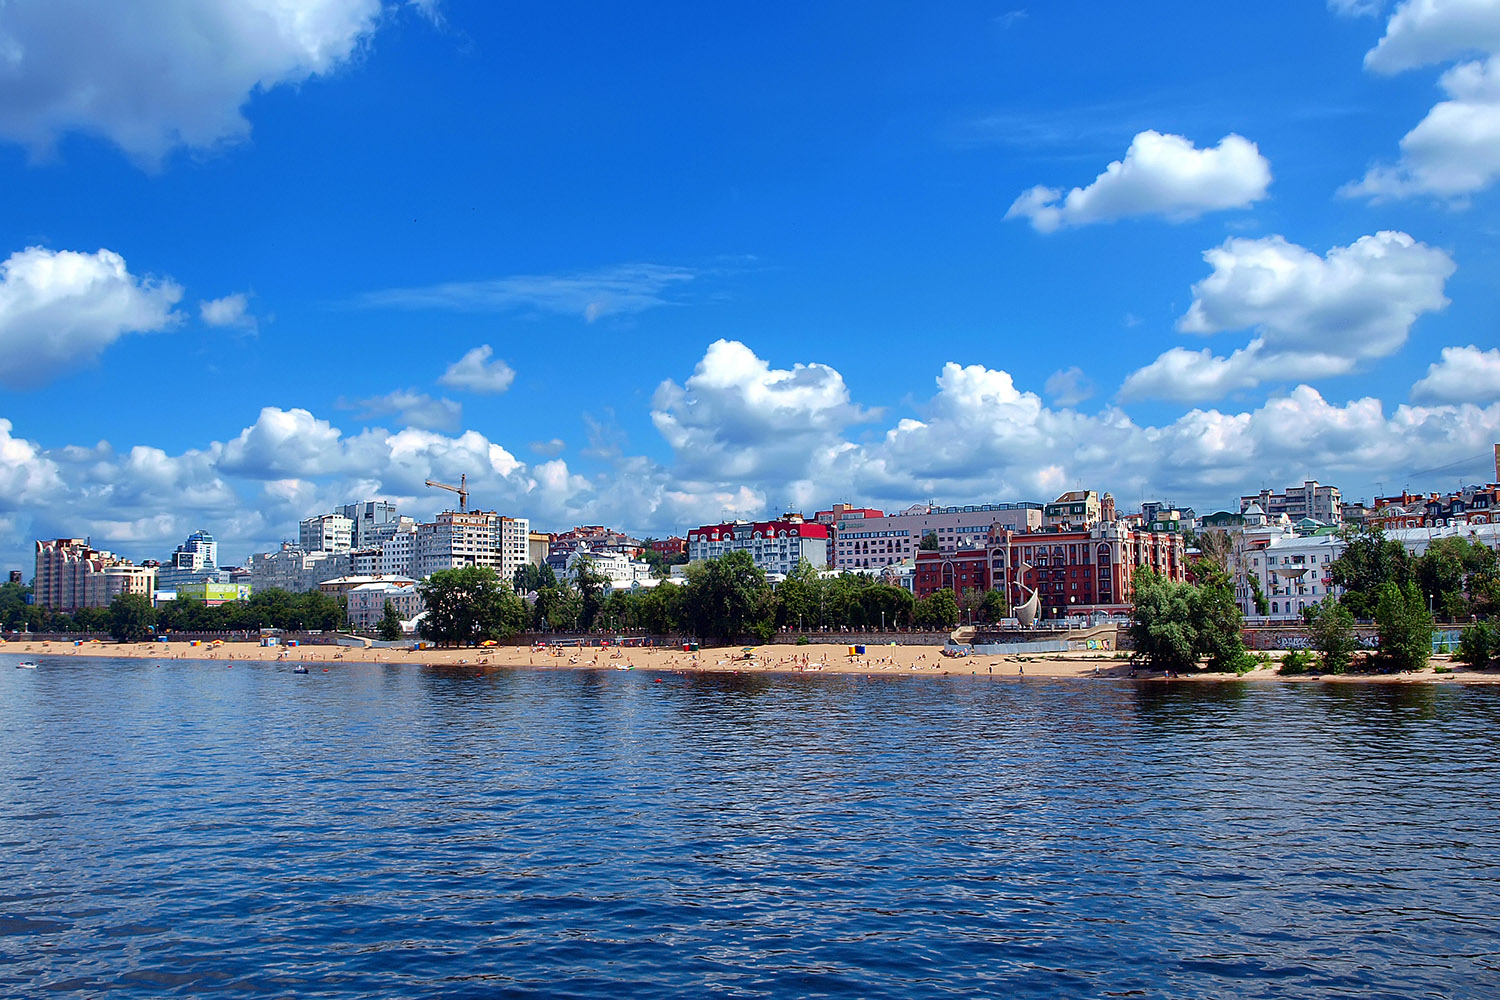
(831, 659)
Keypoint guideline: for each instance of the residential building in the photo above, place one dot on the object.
(372, 522)
(326, 533)
(70, 574)
(1074, 510)
(870, 540)
(776, 546)
(396, 553)
(1322, 503)
(1073, 572)
(295, 569)
(1292, 571)
(365, 562)
(1469, 505)
(471, 538)
(367, 601)
(669, 547)
(538, 544)
(619, 570)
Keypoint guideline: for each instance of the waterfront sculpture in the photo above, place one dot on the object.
(1026, 611)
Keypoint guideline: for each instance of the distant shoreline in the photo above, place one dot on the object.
(887, 660)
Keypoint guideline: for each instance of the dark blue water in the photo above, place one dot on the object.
(186, 829)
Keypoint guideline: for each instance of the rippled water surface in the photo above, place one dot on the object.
(187, 828)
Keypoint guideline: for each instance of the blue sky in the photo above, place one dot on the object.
(655, 266)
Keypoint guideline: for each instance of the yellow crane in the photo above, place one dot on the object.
(461, 489)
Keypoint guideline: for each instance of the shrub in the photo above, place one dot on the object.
(1477, 647)
(1298, 661)
(803, 640)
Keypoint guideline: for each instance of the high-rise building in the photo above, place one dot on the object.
(71, 575)
(372, 521)
(1321, 503)
(470, 538)
(326, 533)
(195, 561)
(776, 546)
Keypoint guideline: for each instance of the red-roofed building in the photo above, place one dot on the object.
(776, 546)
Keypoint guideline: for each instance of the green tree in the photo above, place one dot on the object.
(467, 605)
(1258, 597)
(1162, 626)
(797, 597)
(938, 610)
(389, 628)
(1216, 546)
(1219, 624)
(131, 618)
(1459, 575)
(1368, 562)
(1331, 626)
(929, 542)
(1405, 626)
(995, 605)
(726, 596)
(589, 584)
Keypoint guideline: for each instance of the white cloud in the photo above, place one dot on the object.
(152, 75)
(60, 309)
(590, 295)
(1355, 8)
(550, 448)
(979, 437)
(25, 475)
(1313, 316)
(736, 415)
(1455, 150)
(1069, 386)
(1421, 32)
(285, 443)
(415, 408)
(1160, 175)
(475, 372)
(1463, 375)
(231, 310)
(1360, 300)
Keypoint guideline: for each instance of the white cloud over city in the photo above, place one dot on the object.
(746, 436)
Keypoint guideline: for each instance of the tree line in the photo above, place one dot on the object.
(131, 618)
(725, 598)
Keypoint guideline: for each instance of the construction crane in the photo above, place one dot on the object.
(461, 489)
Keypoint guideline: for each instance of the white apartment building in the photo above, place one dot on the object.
(872, 543)
(618, 569)
(470, 538)
(775, 546)
(294, 569)
(396, 553)
(1321, 503)
(326, 533)
(371, 521)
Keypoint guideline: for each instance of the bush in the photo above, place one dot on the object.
(803, 640)
(1298, 661)
(1479, 645)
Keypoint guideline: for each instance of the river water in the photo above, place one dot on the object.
(186, 828)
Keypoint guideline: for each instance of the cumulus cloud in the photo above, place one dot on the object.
(1161, 175)
(1422, 32)
(475, 372)
(231, 310)
(1463, 375)
(1454, 151)
(978, 437)
(1312, 316)
(1355, 8)
(60, 309)
(153, 75)
(414, 408)
(1360, 300)
(736, 414)
(1069, 386)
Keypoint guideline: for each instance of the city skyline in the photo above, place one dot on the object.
(653, 269)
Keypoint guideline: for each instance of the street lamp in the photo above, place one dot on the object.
(882, 619)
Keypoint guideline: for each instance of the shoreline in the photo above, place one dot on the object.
(888, 660)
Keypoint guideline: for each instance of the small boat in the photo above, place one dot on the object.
(300, 668)
(26, 665)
